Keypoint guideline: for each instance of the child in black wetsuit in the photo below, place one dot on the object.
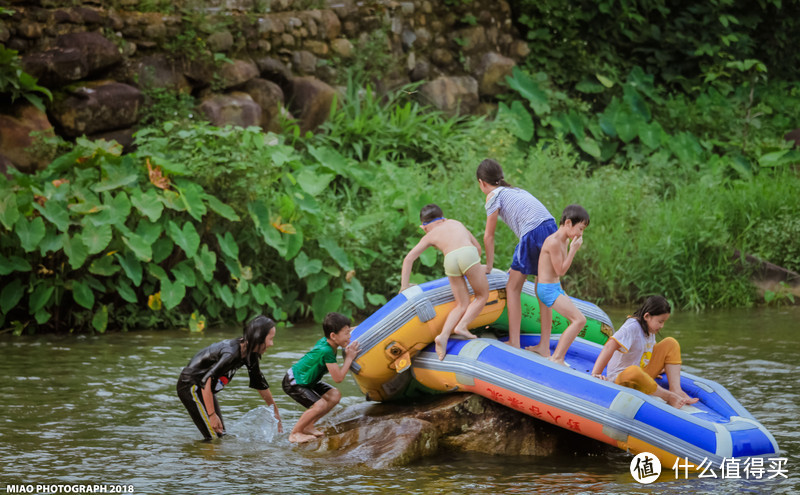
(213, 367)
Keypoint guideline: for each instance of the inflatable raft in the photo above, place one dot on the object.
(397, 360)
(408, 323)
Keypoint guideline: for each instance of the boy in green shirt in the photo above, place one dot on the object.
(303, 380)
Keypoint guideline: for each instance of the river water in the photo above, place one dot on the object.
(102, 409)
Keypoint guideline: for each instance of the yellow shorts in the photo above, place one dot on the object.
(458, 261)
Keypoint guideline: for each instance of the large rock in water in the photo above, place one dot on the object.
(390, 434)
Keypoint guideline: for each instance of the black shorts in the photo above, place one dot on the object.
(305, 395)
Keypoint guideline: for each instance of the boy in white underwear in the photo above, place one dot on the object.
(462, 257)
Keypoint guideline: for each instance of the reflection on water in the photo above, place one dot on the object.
(102, 409)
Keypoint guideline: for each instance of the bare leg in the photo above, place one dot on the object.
(480, 286)
(576, 320)
(673, 372)
(312, 414)
(546, 327)
(461, 296)
(514, 304)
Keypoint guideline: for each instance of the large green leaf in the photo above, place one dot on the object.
(96, 238)
(294, 243)
(529, 89)
(100, 319)
(76, 250)
(221, 208)
(317, 282)
(650, 134)
(224, 293)
(29, 232)
(55, 212)
(13, 263)
(184, 273)
(82, 294)
(228, 245)
(206, 263)
(261, 294)
(172, 293)
(192, 196)
(590, 146)
(259, 213)
(116, 176)
(187, 237)
(304, 266)
(140, 247)
(131, 266)
(126, 292)
(104, 265)
(116, 211)
(313, 181)
(162, 248)
(10, 295)
(40, 296)
(354, 292)
(148, 203)
(53, 241)
(518, 119)
(9, 213)
(325, 302)
(337, 253)
(331, 159)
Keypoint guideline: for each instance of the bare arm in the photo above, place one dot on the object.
(604, 357)
(267, 396)
(408, 261)
(560, 262)
(488, 239)
(338, 373)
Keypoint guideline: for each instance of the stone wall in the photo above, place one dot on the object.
(245, 61)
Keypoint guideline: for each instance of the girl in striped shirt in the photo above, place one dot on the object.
(532, 223)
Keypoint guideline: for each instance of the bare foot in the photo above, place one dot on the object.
(465, 333)
(676, 401)
(686, 398)
(538, 350)
(558, 361)
(441, 346)
(300, 437)
(314, 431)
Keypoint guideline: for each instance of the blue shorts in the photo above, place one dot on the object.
(526, 254)
(548, 293)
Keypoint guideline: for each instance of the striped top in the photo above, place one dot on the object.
(518, 209)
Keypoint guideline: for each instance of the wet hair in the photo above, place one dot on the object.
(334, 322)
(255, 331)
(654, 306)
(490, 172)
(576, 214)
(430, 212)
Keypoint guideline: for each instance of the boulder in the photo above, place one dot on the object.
(236, 108)
(96, 107)
(75, 56)
(236, 73)
(452, 95)
(16, 143)
(392, 434)
(269, 97)
(492, 72)
(310, 101)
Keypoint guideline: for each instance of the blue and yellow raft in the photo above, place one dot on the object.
(397, 361)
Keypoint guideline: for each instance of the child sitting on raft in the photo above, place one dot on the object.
(462, 257)
(635, 359)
